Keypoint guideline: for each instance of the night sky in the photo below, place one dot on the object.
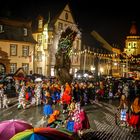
(112, 20)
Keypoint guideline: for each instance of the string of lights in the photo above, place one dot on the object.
(106, 56)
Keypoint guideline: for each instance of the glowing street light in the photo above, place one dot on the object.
(101, 70)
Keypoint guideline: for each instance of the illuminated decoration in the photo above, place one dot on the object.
(63, 62)
(107, 56)
(115, 63)
(92, 68)
(101, 70)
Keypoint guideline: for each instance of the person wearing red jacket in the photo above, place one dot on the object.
(66, 97)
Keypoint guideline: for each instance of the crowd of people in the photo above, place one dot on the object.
(73, 96)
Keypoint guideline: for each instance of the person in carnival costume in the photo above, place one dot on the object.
(5, 101)
(134, 120)
(53, 120)
(70, 118)
(21, 98)
(81, 121)
(38, 94)
(123, 110)
(47, 109)
(66, 97)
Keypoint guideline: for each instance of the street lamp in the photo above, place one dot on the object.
(101, 70)
(92, 68)
(85, 61)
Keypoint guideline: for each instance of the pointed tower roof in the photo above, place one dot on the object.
(133, 29)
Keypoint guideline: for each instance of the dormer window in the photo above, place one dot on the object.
(40, 24)
(25, 31)
(1, 29)
(60, 25)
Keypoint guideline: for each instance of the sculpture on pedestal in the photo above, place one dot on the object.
(63, 62)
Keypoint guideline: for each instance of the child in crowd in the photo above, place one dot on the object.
(47, 110)
(5, 101)
(123, 110)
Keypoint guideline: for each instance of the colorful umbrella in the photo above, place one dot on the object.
(66, 131)
(41, 134)
(9, 128)
(38, 79)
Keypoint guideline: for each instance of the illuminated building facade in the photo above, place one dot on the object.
(48, 34)
(132, 51)
(16, 46)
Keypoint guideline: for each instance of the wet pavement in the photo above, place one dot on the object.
(101, 117)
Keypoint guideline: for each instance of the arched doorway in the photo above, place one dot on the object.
(4, 62)
(2, 68)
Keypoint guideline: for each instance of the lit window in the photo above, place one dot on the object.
(40, 24)
(60, 25)
(49, 40)
(25, 51)
(39, 70)
(39, 56)
(13, 67)
(134, 44)
(25, 31)
(70, 71)
(39, 39)
(13, 49)
(2, 69)
(52, 71)
(25, 67)
(1, 28)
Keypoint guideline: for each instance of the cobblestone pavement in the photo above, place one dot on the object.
(103, 126)
(101, 118)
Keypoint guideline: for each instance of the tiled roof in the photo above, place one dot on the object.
(92, 43)
(14, 30)
(50, 14)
